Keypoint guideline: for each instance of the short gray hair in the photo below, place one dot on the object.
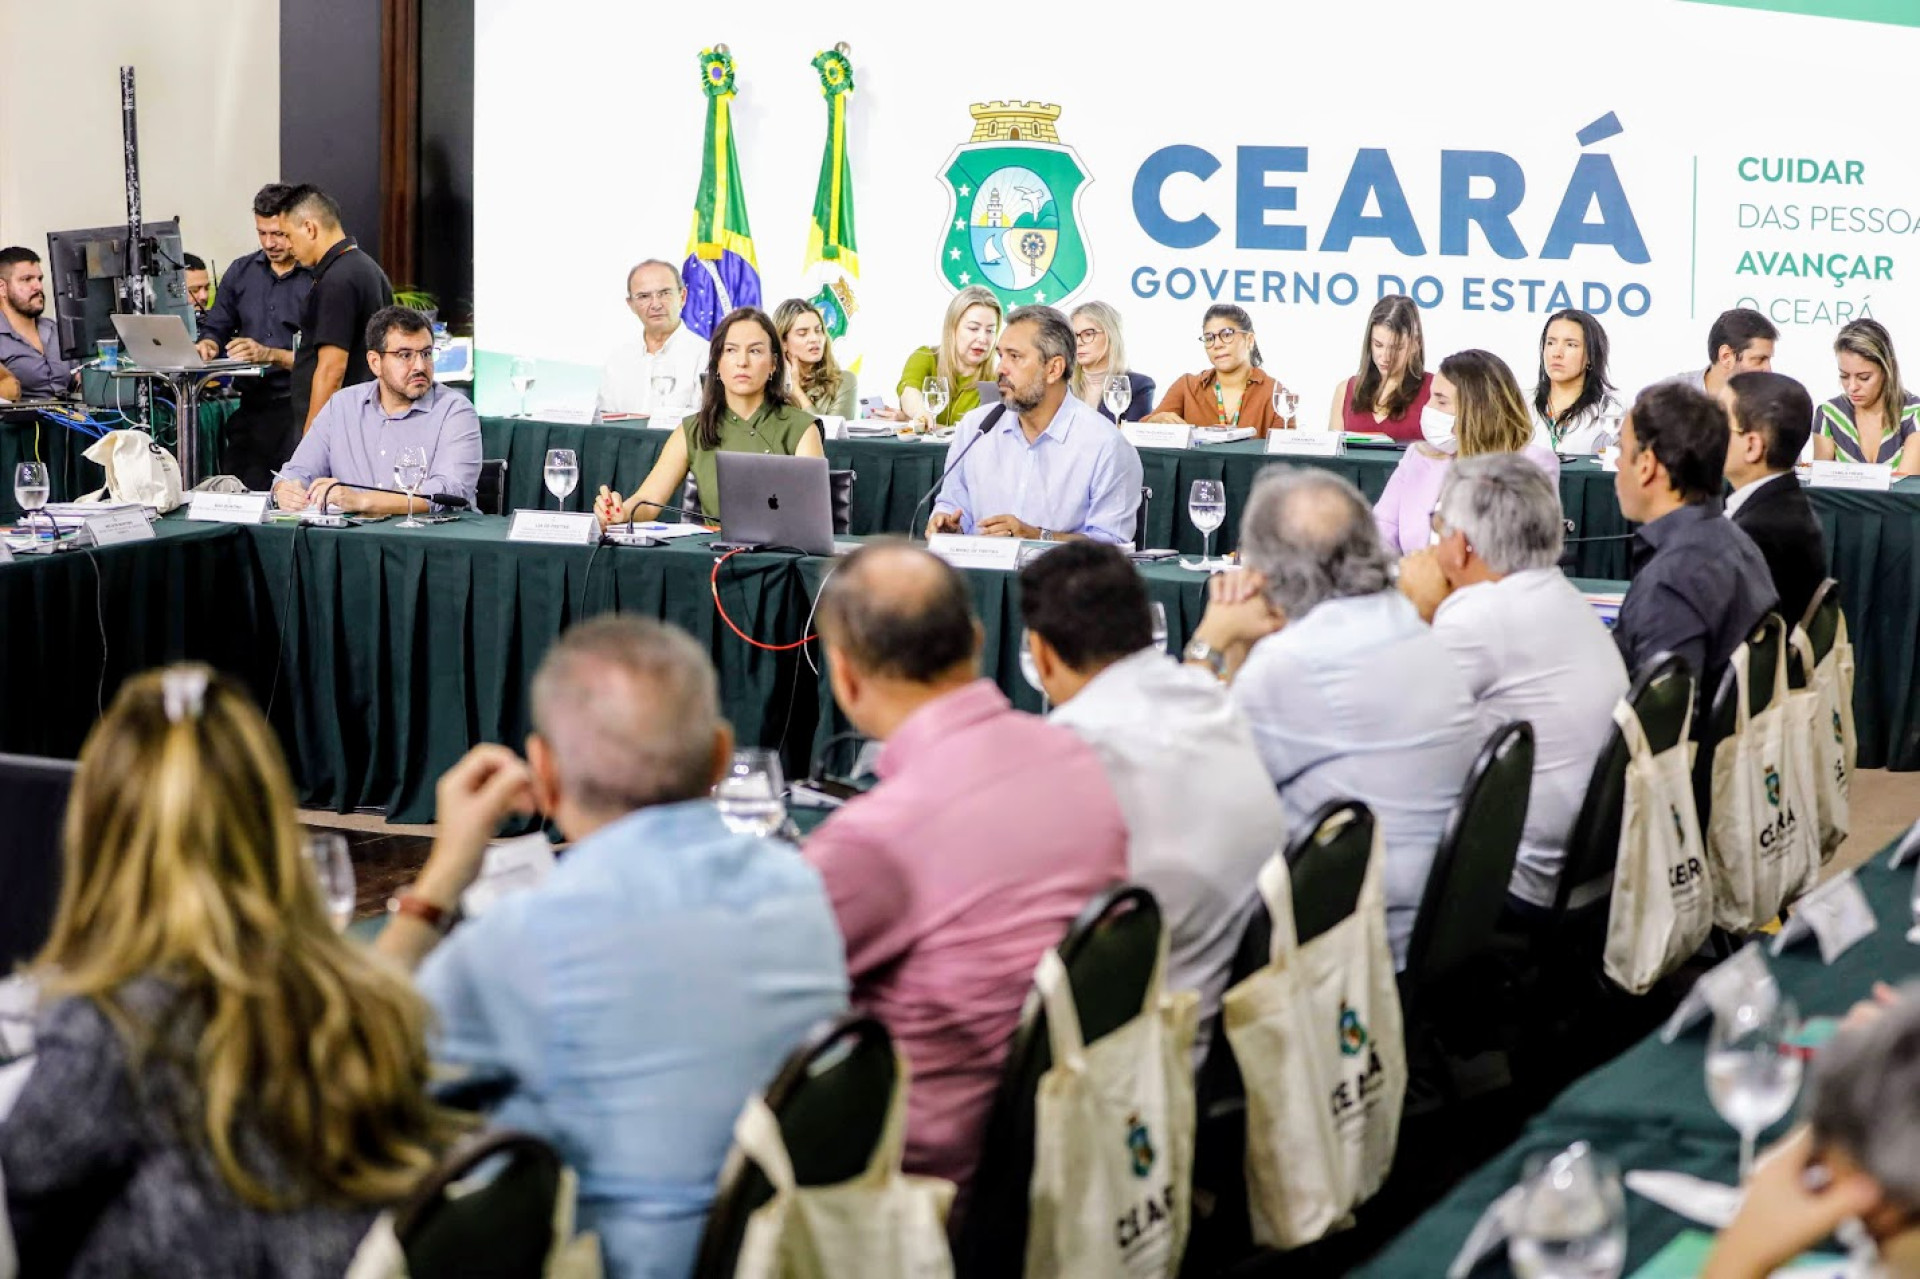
(1052, 334)
(1312, 535)
(1508, 509)
(630, 708)
(672, 270)
(1864, 1097)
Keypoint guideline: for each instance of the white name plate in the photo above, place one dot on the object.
(1851, 475)
(113, 527)
(6, 553)
(1158, 435)
(510, 866)
(567, 414)
(561, 528)
(228, 508)
(1837, 914)
(1305, 444)
(831, 427)
(976, 552)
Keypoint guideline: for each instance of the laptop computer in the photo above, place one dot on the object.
(769, 499)
(162, 343)
(33, 795)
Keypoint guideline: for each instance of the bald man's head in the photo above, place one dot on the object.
(895, 611)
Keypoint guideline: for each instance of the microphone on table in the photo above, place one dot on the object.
(987, 424)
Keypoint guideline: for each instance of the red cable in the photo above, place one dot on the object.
(722, 610)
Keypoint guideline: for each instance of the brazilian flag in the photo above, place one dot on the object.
(720, 270)
(832, 267)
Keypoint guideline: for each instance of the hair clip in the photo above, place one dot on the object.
(183, 692)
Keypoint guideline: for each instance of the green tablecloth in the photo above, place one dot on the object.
(31, 438)
(1648, 1108)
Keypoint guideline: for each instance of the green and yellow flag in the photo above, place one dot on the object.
(721, 271)
(832, 267)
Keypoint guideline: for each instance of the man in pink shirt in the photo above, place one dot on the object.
(989, 831)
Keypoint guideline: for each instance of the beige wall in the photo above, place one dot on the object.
(207, 74)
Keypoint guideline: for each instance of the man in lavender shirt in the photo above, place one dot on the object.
(989, 831)
(357, 439)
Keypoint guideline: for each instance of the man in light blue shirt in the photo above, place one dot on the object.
(1051, 467)
(663, 970)
(1348, 693)
(357, 439)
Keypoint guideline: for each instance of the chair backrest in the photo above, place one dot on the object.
(490, 491)
(33, 798)
(1328, 862)
(502, 1229)
(1473, 863)
(839, 494)
(1659, 695)
(1822, 622)
(1109, 953)
(831, 1097)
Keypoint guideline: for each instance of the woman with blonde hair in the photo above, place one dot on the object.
(1100, 357)
(814, 378)
(964, 359)
(1475, 407)
(1873, 419)
(222, 1084)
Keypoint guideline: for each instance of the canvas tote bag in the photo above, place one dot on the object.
(1318, 1036)
(1662, 906)
(882, 1222)
(1830, 734)
(138, 470)
(1113, 1137)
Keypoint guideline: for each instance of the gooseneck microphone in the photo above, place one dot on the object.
(914, 527)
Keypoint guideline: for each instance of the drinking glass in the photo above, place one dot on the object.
(408, 473)
(934, 389)
(1753, 1072)
(1157, 619)
(663, 386)
(563, 473)
(1207, 508)
(1570, 1221)
(1117, 395)
(752, 796)
(1285, 403)
(31, 487)
(521, 374)
(326, 853)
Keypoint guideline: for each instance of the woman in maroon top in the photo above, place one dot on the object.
(1387, 394)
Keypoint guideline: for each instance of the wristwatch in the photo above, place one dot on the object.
(438, 918)
(1198, 650)
(1046, 535)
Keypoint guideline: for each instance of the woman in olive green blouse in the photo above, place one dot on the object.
(745, 408)
(965, 359)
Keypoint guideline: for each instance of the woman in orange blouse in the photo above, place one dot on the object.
(1235, 391)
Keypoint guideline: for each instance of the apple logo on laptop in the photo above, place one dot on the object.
(773, 501)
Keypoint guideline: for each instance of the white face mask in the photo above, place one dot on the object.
(1437, 427)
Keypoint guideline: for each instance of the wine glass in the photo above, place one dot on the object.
(1157, 620)
(326, 853)
(31, 487)
(1570, 1220)
(934, 389)
(563, 473)
(1117, 395)
(521, 374)
(1753, 1072)
(1285, 404)
(1030, 669)
(408, 473)
(752, 796)
(1207, 508)
(663, 386)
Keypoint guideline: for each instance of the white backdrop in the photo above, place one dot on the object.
(588, 134)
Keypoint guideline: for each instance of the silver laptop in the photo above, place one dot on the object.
(162, 343)
(769, 499)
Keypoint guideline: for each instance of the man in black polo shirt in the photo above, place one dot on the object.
(1700, 585)
(348, 287)
(255, 316)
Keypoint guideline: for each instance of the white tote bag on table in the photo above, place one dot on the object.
(1319, 1040)
(1113, 1137)
(1662, 906)
(138, 470)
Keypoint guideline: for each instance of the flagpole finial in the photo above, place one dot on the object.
(721, 48)
(843, 49)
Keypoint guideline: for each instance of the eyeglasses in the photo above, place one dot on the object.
(1087, 335)
(658, 295)
(422, 356)
(1219, 337)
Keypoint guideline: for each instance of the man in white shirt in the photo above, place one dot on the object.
(1528, 643)
(1202, 817)
(1348, 694)
(656, 375)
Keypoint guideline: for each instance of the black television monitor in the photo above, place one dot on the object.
(33, 808)
(87, 274)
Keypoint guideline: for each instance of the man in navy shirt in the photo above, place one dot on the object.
(255, 316)
(348, 287)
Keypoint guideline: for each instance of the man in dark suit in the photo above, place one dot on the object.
(1770, 416)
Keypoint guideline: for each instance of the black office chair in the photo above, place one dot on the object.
(839, 494)
(490, 491)
(450, 1228)
(1109, 953)
(831, 1097)
(1763, 652)
(1822, 622)
(33, 798)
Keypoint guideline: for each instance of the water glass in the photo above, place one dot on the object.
(663, 388)
(934, 390)
(1207, 508)
(1570, 1220)
(1117, 395)
(563, 473)
(409, 472)
(752, 796)
(1157, 619)
(1753, 1071)
(521, 374)
(326, 853)
(31, 485)
(1285, 404)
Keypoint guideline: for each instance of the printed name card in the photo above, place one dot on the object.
(561, 528)
(510, 866)
(1158, 435)
(567, 414)
(228, 508)
(1837, 914)
(976, 552)
(1305, 444)
(831, 427)
(1851, 475)
(110, 528)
